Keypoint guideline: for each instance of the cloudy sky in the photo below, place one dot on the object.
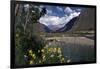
(58, 16)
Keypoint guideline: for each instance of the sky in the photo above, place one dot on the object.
(58, 16)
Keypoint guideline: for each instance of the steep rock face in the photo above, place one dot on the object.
(86, 20)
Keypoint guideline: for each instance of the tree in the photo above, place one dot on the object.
(25, 39)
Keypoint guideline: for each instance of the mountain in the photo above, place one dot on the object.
(84, 22)
(68, 26)
(56, 24)
(43, 28)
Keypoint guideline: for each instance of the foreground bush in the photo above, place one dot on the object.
(50, 55)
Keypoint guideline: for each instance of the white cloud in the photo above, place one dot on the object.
(68, 10)
(54, 22)
(59, 8)
(49, 11)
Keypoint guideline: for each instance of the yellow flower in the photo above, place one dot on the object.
(60, 56)
(43, 56)
(52, 55)
(30, 62)
(50, 49)
(62, 60)
(59, 50)
(33, 56)
(42, 50)
(30, 52)
(55, 49)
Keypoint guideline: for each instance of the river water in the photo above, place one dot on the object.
(77, 49)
